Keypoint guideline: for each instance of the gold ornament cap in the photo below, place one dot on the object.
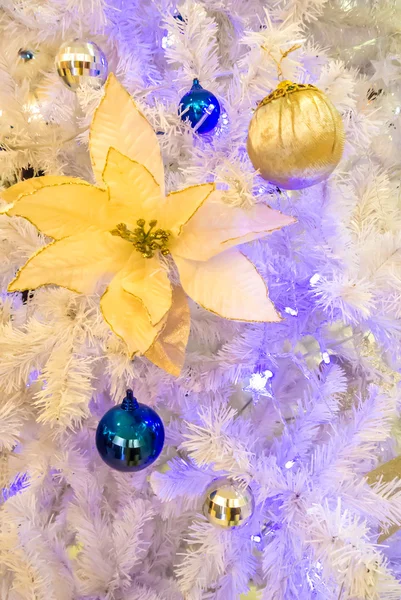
(284, 88)
(228, 504)
(296, 136)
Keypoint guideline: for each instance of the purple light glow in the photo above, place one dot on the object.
(20, 483)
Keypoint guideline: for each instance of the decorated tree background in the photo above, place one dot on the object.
(259, 317)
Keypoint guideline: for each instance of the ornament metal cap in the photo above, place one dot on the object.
(130, 403)
(287, 87)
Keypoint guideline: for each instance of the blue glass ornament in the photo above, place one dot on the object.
(179, 17)
(200, 107)
(130, 437)
(26, 55)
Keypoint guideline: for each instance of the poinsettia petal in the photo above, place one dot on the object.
(119, 124)
(218, 226)
(77, 263)
(134, 192)
(168, 351)
(181, 206)
(149, 283)
(128, 317)
(29, 186)
(64, 208)
(229, 286)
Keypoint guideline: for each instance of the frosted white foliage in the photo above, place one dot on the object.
(215, 440)
(10, 424)
(182, 478)
(60, 13)
(191, 44)
(300, 411)
(217, 556)
(109, 566)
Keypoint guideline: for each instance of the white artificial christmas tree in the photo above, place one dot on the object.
(300, 411)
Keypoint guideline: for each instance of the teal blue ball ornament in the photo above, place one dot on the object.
(200, 107)
(130, 437)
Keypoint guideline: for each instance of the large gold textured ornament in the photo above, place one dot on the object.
(80, 61)
(296, 136)
(228, 504)
(385, 473)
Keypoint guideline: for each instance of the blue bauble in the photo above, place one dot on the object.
(200, 105)
(179, 17)
(130, 437)
(26, 55)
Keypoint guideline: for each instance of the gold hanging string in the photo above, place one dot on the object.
(283, 56)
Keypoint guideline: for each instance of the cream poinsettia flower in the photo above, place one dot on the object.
(116, 232)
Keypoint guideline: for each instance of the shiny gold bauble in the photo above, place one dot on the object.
(79, 61)
(228, 504)
(296, 136)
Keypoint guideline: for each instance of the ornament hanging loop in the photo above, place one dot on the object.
(283, 56)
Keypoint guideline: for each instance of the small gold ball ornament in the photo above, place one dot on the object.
(228, 504)
(80, 61)
(296, 136)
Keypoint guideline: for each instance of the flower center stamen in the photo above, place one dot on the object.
(146, 242)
